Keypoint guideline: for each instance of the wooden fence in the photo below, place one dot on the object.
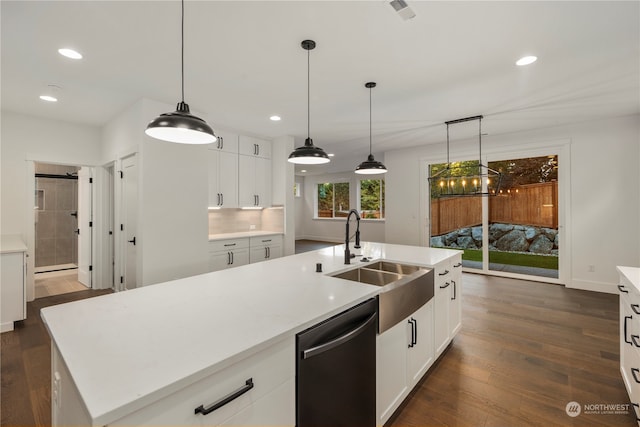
(532, 204)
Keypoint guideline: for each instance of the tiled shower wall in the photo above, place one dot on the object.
(237, 220)
(55, 200)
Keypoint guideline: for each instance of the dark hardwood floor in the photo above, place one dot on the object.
(525, 350)
(25, 365)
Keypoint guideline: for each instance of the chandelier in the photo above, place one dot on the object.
(465, 178)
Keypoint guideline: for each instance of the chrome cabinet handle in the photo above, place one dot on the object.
(248, 385)
(314, 351)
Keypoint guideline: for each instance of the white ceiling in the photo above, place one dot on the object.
(243, 63)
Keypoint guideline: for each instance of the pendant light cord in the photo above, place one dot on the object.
(308, 95)
(370, 121)
(182, 50)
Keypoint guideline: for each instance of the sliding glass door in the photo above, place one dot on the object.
(514, 231)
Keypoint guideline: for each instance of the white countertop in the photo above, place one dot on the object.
(12, 243)
(128, 349)
(240, 234)
(632, 274)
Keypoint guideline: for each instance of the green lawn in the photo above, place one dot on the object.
(511, 258)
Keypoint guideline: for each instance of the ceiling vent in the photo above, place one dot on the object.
(403, 9)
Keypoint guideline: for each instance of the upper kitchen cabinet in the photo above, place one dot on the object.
(226, 141)
(254, 172)
(223, 171)
(250, 146)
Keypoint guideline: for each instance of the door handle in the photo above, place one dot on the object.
(221, 199)
(248, 385)
(412, 343)
(340, 340)
(132, 240)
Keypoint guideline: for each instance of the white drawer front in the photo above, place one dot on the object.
(268, 370)
(226, 245)
(272, 240)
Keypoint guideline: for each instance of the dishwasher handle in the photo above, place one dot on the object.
(314, 351)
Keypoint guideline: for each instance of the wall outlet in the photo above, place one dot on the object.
(592, 268)
(252, 227)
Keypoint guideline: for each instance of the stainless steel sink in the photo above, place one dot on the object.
(405, 288)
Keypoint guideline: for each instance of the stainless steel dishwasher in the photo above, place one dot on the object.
(336, 370)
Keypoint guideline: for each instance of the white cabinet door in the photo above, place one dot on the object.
(227, 141)
(223, 179)
(12, 290)
(228, 179)
(263, 181)
(278, 408)
(391, 370)
(251, 146)
(420, 355)
(254, 181)
(455, 301)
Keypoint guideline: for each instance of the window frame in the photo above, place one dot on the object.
(381, 196)
(333, 202)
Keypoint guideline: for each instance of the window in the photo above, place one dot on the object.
(372, 198)
(333, 200)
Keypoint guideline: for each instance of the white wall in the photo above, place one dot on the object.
(172, 210)
(299, 207)
(604, 201)
(282, 184)
(333, 230)
(24, 139)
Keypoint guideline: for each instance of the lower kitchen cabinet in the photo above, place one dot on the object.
(264, 248)
(448, 302)
(404, 353)
(228, 253)
(13, 298)
(630, 334)
(266, 380)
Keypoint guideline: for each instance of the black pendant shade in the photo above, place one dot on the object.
(308, 154)
(181, 126)
(370, 166)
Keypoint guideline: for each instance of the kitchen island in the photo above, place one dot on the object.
(146, 356)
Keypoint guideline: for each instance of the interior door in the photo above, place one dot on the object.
(85, 218)
(130, 220)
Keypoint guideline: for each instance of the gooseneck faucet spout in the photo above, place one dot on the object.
(347, 237)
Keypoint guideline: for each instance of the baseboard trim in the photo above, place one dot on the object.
(587, 285)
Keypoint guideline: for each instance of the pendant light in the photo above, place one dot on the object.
(370, 166)
(308, 154)
(181, 126)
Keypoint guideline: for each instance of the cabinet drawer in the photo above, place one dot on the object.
(226, 245)
(442, 275)
(273, 240)
(268, 370)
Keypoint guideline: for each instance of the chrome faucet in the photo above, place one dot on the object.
(347, 238)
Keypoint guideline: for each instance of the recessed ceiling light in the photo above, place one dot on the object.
(48, 98)
(70, 53)
(275, 118)
(303, 170)
(526, 60)
(330, 154)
